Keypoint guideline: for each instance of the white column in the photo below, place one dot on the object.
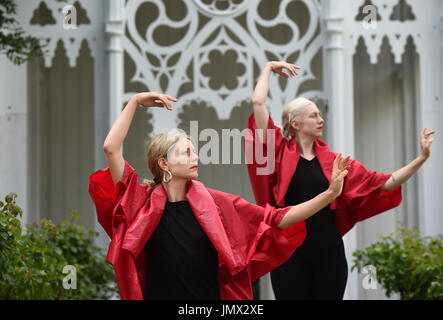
(13, 132)
(430, 176)
(115, 32)
(109, 87)
(340, 122)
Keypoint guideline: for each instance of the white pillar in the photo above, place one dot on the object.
(13, 132)
(340, 125)
(115, 32)
(430, 176)
(109, 87)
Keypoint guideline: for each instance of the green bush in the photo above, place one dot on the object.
(32, 260)
(406, 263)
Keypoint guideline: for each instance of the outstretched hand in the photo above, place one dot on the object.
(339, 172)
(154, 99)
(425, 143)
(279, 66)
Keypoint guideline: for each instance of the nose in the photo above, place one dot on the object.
(195, 157)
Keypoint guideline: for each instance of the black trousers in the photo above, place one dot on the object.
(312, 273)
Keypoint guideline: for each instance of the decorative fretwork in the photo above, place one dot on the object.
(396, 20)
(213, 51)
(44, 19)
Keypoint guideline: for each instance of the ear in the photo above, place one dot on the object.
(295, 124)
(163, 164)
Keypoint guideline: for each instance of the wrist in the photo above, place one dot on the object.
(331, 194)
(422, 157)
(135, 99)
(269, 65)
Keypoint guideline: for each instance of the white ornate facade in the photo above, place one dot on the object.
(211, 51)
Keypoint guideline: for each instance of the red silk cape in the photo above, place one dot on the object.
(361, 197)
(245, 235)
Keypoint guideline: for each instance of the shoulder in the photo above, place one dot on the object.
(218, 195)
(101, 181)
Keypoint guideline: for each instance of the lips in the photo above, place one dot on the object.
(194, 167)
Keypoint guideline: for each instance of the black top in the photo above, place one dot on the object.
(182, 263)
(307, 182)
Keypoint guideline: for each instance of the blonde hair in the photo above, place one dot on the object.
(158, 148)
(293, 110)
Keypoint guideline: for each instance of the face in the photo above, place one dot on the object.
(182, 160)
(310, 123)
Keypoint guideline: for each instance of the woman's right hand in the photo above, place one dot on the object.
(339, 172)
(154, 99)
(279, 66)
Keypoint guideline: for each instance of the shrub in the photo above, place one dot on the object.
(406, 263)
(32, 260)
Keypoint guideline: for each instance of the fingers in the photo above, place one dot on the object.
(164, 102)
(284, 74)
(344, 171)
(279, 65)
(427, 134)
(343, 174)
(157, 104)
(336, 162)
(425, 141)
(338, 181)
(171, 98)
(293, 68)
(340, 165)
(344, 161)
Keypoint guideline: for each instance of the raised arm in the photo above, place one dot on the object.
(306, 209)
(119, 130)
(402, 175)
(262, 88)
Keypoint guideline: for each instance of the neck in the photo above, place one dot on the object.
(176, 189)
(305, 145)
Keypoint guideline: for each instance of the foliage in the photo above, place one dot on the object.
(406, 263)
(32, 260)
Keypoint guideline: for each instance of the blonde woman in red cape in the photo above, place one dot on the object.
(301, 170)
(173, 238)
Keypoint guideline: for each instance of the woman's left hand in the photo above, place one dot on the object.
(425, 143)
